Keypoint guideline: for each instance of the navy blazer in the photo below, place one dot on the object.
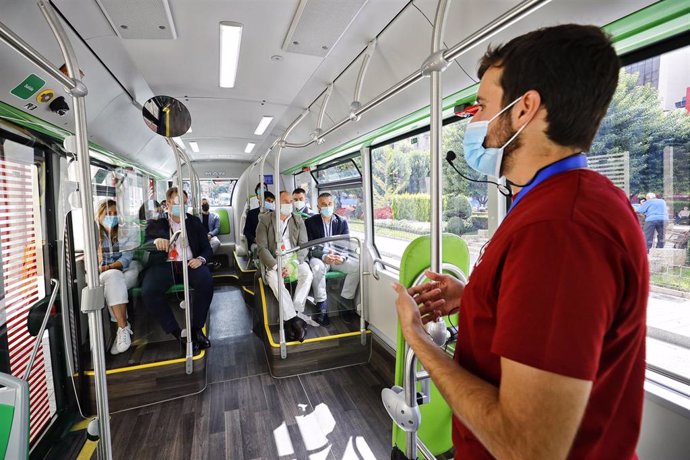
(196, 234)
(315, 230)
(250, 225)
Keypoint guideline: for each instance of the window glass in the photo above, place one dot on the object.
(22, 192)
(643, 146)
(218, 192)
(349, 203)
(340, 171)
(305, 181)
(401, 190)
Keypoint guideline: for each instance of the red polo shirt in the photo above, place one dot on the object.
(562, 286)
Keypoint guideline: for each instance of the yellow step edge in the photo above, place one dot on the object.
(149, 365)
(289, 344)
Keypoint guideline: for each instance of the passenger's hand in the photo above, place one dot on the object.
(338, 260)
(440, 297)
(328, 259)
(411, 321)
(161, 244)
(194, 263)
(103, 268)
(285, 273)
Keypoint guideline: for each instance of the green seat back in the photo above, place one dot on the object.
(224, 221)
(435, 430)
(6, 422)
(334, 275)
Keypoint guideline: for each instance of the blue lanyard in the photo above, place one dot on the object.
(577, 161)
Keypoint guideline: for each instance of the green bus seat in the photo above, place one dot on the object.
(224, 221)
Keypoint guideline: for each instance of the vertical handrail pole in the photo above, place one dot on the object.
(436, 131)
(279, 253)
(39, 337)
(278, 234)
(92, 295)
(189, 350)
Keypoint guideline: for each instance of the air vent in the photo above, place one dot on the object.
(140, 19)
(319, 24)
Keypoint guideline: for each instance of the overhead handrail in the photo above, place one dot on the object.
(189, 350)
(39, 337)
(510, 17)
(356, 104)
(316, 134)
(92, 296)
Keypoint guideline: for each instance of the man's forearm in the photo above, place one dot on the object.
(474, 401)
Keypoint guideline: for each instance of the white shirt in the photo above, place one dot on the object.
(174, 226)
(285, 231)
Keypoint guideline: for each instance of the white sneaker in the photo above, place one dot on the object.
(122, 341)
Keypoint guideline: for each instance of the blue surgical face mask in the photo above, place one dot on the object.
(110, 221)
(175, 210)
(486, 160)
(326, 211)
(270, 206)
(260, 191)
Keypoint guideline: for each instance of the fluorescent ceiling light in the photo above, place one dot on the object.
(230, 38)
(194, 146)
(190, 130)
(263, 124)
(249, 147)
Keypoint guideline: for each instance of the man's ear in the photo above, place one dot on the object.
(527, 108)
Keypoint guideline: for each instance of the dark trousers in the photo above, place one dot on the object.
(158, 279)
(649, 229)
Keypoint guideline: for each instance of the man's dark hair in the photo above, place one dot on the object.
(299, 190)
(268, 195)
(325, 195)
(173, 191)
(256, 189)
(573, 67)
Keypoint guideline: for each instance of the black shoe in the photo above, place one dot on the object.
(289, 333)
(348, 316)
(322, 317)
(200, 339)
(182, 341)
(299, 328)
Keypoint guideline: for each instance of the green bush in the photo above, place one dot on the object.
(457, 206)
(480, 222)
(411, 206)
(459, 226)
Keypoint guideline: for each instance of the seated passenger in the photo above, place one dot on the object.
(165, 269)
(293, 234)
(253, 215)
(327, 257)
(150, 209)
(211, 222)
(299, 197)
(118, 272)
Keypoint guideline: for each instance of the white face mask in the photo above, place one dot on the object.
(286, 209)
(299, 205)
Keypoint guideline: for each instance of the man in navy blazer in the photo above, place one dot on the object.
(165, 269)
(330, 256)
(252, 220)
(211, 222)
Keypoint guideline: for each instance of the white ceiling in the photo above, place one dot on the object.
(224, 120)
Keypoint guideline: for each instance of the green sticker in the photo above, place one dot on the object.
(28, 87)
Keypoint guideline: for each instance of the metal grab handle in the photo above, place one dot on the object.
(41, 331)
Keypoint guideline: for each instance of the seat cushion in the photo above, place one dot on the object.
(224, 221)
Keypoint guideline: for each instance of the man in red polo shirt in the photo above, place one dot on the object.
(550, 358)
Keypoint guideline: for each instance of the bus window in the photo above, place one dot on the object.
(643, 146)
(218, 192)
(21, 243)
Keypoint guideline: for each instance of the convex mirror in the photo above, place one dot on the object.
(166, 116)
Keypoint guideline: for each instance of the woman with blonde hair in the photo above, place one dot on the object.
(118, 272)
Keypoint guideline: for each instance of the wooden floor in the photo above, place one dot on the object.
(246, 414)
